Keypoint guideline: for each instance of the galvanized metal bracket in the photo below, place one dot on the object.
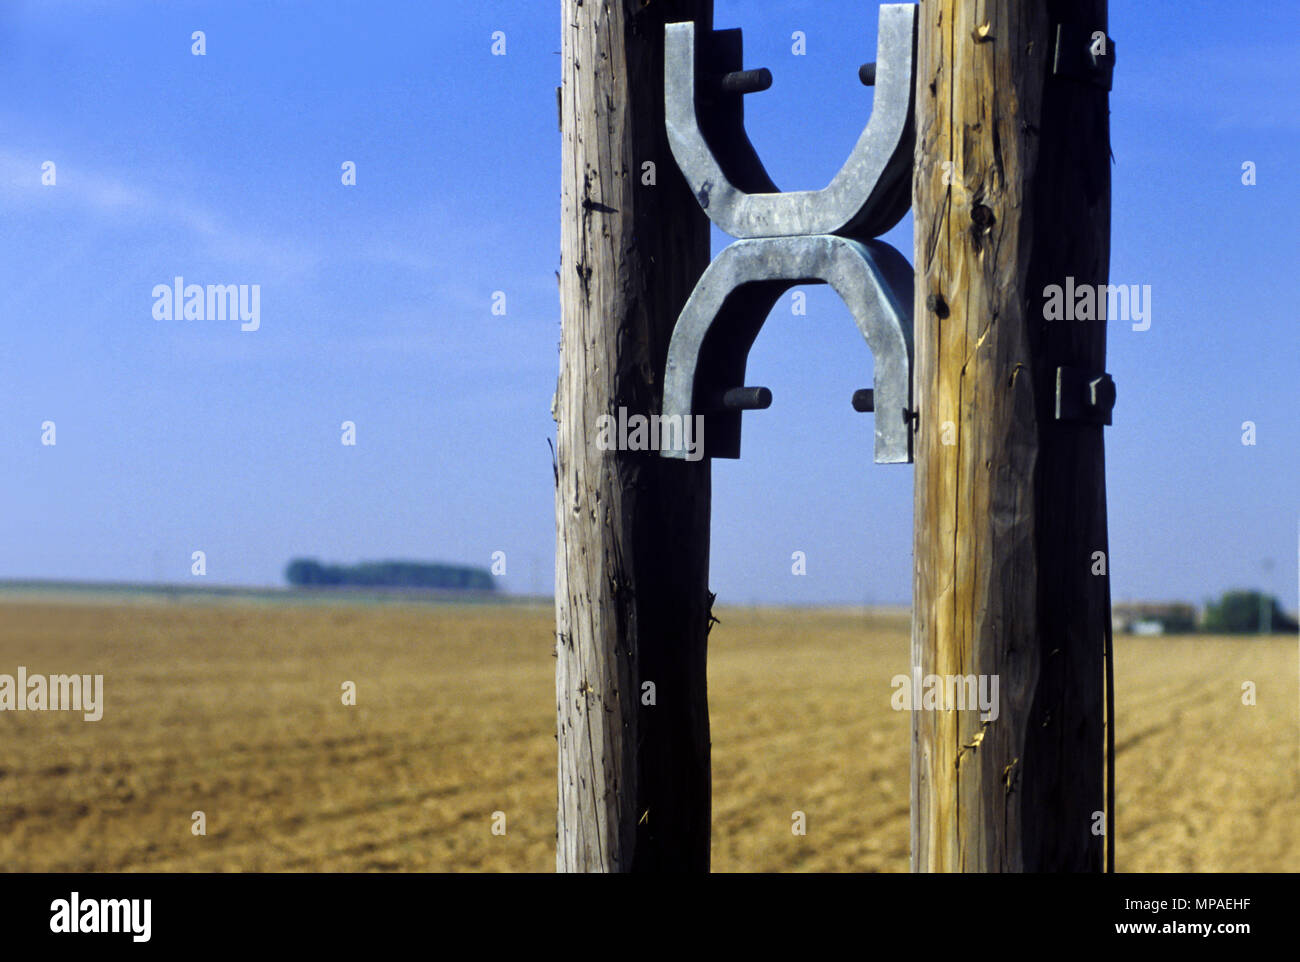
(711, 342)
(787, 239)
(704, 88)
(1082, 54)
(1086, 396)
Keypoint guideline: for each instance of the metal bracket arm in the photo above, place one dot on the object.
(711, 341)
(869, 195)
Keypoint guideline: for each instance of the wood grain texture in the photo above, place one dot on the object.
(632, 552)
(1012, 193)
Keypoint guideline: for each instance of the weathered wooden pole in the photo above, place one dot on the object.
(1012, 194)
(632, 553)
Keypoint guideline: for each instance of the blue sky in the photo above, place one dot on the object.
(376, 300)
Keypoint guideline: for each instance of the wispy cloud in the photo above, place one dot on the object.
(118, 201)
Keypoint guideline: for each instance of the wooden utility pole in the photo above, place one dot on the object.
(632, 553)
(1012, 194)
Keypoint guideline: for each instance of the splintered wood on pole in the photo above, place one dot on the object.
(632, 528)
(1011, 195)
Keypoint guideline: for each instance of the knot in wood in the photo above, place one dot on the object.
(982, 217)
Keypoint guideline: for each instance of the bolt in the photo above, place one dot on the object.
(746, 81)
(746, 399)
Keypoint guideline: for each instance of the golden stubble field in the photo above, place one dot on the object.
(235, 710)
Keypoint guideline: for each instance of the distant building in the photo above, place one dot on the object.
(1153, 618)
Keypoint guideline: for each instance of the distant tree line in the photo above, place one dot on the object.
(1246, 612)
(306, 572)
